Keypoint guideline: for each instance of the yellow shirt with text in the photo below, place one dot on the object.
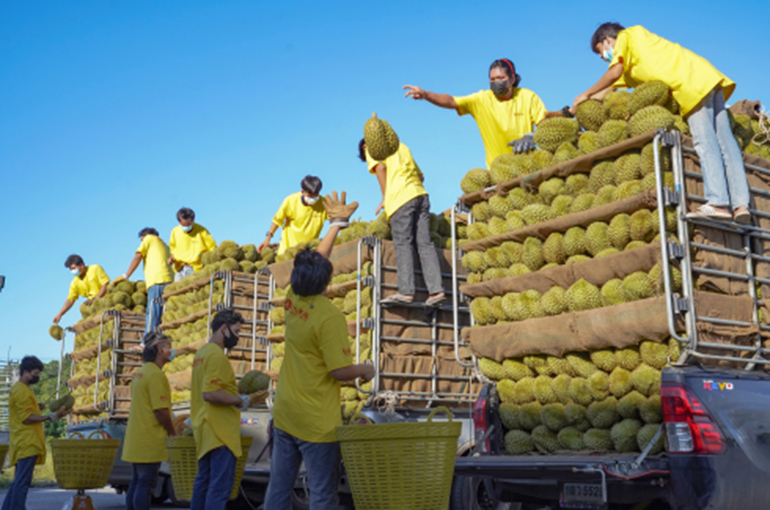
(301, 223)
(501, 122)
(214, 425)
(90, 285)
(145, 440)
(155, 254)
(307, 399)
(187, 247)
(402, 179)
(26, 440)
(649, 57)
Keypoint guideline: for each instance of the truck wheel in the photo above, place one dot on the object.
(469, 493)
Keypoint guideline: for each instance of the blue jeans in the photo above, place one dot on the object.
(185, 271)
(322, 462)
(139, 495)
(154, 309)
(16, 497)
(724, 177)
(214, 482)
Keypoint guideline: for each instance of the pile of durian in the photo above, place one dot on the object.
(193, 301)
(125, 295)
(90, 337)
(87, 367)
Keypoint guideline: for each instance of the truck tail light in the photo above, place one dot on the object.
(689, 426)
(481, 424)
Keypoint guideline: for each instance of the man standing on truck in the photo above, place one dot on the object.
(149, 421)
(215, 414)
(505, 114)
(636, 55)
(27, 434)
(301, 215)
(157, 273)
(188, 242)
(407, 206)
(306, 410)
(89, 282)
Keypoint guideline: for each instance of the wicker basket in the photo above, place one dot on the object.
(80, 463)
(183, 464)
(394, 466)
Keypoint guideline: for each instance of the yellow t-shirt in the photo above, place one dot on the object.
(300, 223)
(187, 247)
(307, 400)
(26, 440)
(501, 122)
(90, 285)
(145, 439)
(648, 57)
(402, 178)
(155, 254)
(214, 425)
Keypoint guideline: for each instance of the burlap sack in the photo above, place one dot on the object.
(344, 258)
(746, 107)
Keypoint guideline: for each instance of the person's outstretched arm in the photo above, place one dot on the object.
(339, 217)
(442, 100)
(610, 77)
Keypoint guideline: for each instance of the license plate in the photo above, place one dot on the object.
(580, 494)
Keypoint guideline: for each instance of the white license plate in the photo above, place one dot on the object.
(582, 493)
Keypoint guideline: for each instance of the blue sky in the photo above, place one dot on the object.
(115, 114)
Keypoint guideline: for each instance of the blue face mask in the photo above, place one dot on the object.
(607, 55)
(187, 228)
(172, 355)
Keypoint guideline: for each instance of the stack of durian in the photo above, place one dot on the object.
(440, 230)
(125, 295)
(90, 337)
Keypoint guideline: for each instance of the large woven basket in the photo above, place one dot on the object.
(183, 463)
(80, 463)
(397, 466)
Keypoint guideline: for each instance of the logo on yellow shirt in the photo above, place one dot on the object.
(294, 310)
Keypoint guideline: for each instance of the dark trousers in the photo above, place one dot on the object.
(139, 495)
(216, 475)
(16, 497)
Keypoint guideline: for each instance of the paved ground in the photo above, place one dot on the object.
(55, 499)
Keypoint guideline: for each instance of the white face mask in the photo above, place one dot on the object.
(187, 228)
(310, 200)
(75, 271)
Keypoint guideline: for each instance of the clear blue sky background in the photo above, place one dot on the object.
(115, 114)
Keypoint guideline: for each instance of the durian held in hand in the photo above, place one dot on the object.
(56, 332)
(62, 405)
(381, 141)
(253, 381)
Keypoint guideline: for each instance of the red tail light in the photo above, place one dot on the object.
(480, 424)
(689, 426)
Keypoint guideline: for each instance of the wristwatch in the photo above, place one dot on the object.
(269, 234)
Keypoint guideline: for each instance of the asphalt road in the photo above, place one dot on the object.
(54, 499)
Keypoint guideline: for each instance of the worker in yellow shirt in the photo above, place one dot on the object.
(407, 206)
(306, 408)
(27, 434)
(505, 114)
(301, 215)
(89, 282)
(636, 55)
(149, 421)
(157, 273)
(215, 414)
(188, 242)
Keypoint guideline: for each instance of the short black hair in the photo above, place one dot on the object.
(362, 150)
(185, 213)
(73, 259)
(227, 316)
(312, 184)
(311, 274)
(609, 29)
(28, 364)
(507, 66)
(148, 231)
(152, 341)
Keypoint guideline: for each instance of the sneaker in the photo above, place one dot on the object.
(742, 215)
(710, 212)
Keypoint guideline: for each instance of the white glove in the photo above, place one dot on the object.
(245, 402)
(52, 417)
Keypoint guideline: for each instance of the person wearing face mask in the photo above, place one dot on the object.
(636, 55)
(157, 273)
(27, 448)
(149, 421)
(215, 414)
(301, 215)
(505, 114)
(89, 281)
(187, 243)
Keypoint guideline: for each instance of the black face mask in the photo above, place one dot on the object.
(500, 88)
(35, 379)
(230, 340)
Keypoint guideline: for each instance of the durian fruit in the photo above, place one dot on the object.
(647, 160)
(637, 286)
(517, 269)
(543, 390)
(620, 382)
(514, 221)
(604, 414)
(56, 332)
(605, 195)
(554, 301)
(647, 434)
(495, 307)
(611, 132)
(522, 164)
(582, 202)
(529, 415)
(381, 141)
(646, 380)
(475, 261)
(574, 242)
(538, 363)
(597, 440)
(518, 442)
(597, 238)
(501, 169)
(253, 381)
(553, 132)
(499, 206)
(571, 438)
(579, 391)
(629, 404)
(545, 440)
(618, 231)
(587, 142)
(634, 244)
(650, 118)
(604, 359)
(601, 175)
(496, 226)
(532, 255)
(478, 231)
(606, 251)
(524, 393)
(506, 389)
(493, 273)
(583, 296)
(560, 386)
(513, 250)
(509, 415)
(626, 167)
(576, 416)
(553, 417)
(491, 368)
(623, 435)
(683, 127)
(565, 152)
(628, 357)
(561, 205)
(648, 94)
(516, 370)
(481, 211)
(613, 293)
(590, 115)
(65, 401)
(642, 226)
(627, 189)
(575, 183)
(654, 354)
(508, 303)
(550, 189)
(480, 311)
(674, 350)
(599, 385)
(496, 257)
(615, 104)
(536, 213)
(650, 411)
(518, 198)
(527, 306)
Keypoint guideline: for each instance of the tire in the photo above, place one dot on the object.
(470, 493)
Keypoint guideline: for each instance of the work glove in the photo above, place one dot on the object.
(118, 279)
(524, 144)
(245, 402)
(339, 213)
(53, 417)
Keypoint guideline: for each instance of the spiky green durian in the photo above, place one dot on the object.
(509, 415)
(532, 255)
(604, 359)
(648, 94)
(650, 411)
(623, 435)
(601, 175)
(478, 230)
(527, 306)
(480, 310)
(575, 183)
(554, 301)
(516, 370)
(475, 261)
(561, 205)
(579, 391)
(583, 296)
(597, 238)
(650, 118)
(517, 269)
(536, 213)
(560, 386)
(605, 195)
(574, 242)
(646, 434)
(518, 442)
(642, 226)
(541, 159)
(604, 414)
(529, 415)
(597, 440)
(615, 104)
(506, 389)
(553, 132)
(551, 188)
(630, 403)
(611, 132)
(545, 440)
(590, 115)
(620, 382)
(499, 206)
(646, 380)
(501, 169)
(637, 286)
(491, 368)
(613, 293)
(628, 358)
(524, 391)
